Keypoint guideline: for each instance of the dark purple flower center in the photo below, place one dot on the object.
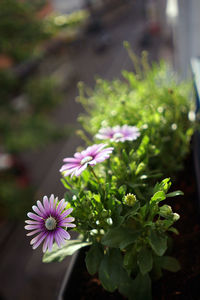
(86, 159)
(50, 223)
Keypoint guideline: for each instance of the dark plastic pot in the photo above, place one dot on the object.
(195, 65)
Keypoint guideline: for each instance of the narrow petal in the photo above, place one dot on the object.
(37, 211)
(51, 201)
(66, 167)
(44, 247)
(31, 227)
(69, 166)
(36, 238)
(70, 219)
(61, 205)
(71, 159)
(33, 232)
(41, 208)
(39, 241)
(32, 222)
(50, 242)
(34, 216)
(64, 234)
(68, 172)
(66, 213)
(58, 239)
(65, 224)
(46, 204)
(80, 170)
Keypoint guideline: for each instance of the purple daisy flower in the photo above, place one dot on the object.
(119, 133)
(90, 156)
(49, 222)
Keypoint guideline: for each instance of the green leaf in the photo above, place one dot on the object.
(158, 196)
(134, 209)
(66, 185)
(174, 230)
(58, 254)
(130, 259)
(158, 242)
(111, 272)
(174, 194)
(105, 275)
(120, 237)
(140, 168)
(164, 185)
(122, 190)
(93, 259)
(125, 156)
(145, 260)
(141, 288)
(169, 263)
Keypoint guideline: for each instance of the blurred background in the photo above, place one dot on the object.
(46, 48)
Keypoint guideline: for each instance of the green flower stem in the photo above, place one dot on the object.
(96, 177)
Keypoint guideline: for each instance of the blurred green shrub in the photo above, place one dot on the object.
(20, 30)
(24, 124)
(55, 23)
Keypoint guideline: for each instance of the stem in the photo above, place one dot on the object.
(94, 175)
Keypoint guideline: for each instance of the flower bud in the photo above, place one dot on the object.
(176, 217)
(130, 199)
(165, 211)
(104, 213)
(109, 221)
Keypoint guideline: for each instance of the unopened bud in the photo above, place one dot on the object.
(104, 213)
(165, 211)
(109, 221)
(176, 217)
(130, 199)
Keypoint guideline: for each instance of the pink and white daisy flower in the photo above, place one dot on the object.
(118, 133)
(49, 222)
(90, 156)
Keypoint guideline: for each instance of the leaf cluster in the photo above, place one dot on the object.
(130, 239)
(155, 101)
(20, 27)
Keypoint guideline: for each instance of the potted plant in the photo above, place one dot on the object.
(118, 187)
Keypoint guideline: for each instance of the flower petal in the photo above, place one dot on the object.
(66, 213)
(39, 241)
(33, 232)
(34, 216)
(50, 242)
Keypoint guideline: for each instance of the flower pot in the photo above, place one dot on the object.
(195, 65)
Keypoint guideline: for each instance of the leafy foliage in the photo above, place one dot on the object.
(154, 101)
(59, 254)
(20, 27)
(121, 209)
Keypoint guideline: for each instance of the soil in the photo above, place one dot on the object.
(183, 285)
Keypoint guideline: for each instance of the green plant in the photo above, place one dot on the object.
(119, 205)
(154, 100)
(29, 126)
(19, 27)
(57, 23)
